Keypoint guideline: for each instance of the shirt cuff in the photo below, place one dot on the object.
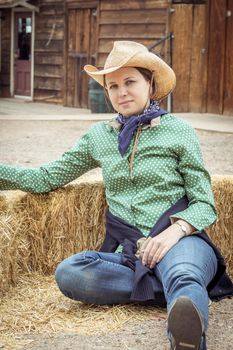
(198, 215)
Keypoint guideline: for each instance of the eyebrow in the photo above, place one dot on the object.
(113, 82)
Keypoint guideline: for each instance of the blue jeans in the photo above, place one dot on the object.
(100, 278)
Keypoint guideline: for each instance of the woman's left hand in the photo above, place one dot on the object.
(158, 246)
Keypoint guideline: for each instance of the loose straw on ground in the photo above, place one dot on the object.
(36, 306)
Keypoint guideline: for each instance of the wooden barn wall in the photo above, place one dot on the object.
(188, 24)
(142, 21)
(5, 53)
(220, 65)
(49, 51)
(202, 57)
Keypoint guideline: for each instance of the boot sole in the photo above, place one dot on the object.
(185, 325)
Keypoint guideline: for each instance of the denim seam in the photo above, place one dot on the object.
(112, 263)
(161, 280)
(92, 259)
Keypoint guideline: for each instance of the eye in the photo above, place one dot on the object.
(129, 82)
(112, 87)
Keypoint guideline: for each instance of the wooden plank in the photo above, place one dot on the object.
(4, 78)
(71, 76)
(53, 2)
(73, 25)
(82, 30)
(47, 59)
(48, 21)
(133, 16)
(78, 30)
(48, 83)
(49, 34)
(51, 9)
(50, 96)
(216, 56)
(52, 71)
(105, 45)
(83, 78)
(228, 85)
(46, 46)
(5, 91)
(181, 26)
(84, 47)
(127, 30)
(132, 4)
(94, 35)
(72, 30)
(134, 37)
(5, 54)
(80, 4)
(5, 62)
(198, 66)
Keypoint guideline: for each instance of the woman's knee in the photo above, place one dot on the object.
(70, 270)
(192, 258)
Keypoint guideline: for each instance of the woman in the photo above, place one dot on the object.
(159, 198)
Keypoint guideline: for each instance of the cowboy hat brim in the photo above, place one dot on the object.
(164, 76)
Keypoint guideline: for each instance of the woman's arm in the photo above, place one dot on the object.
(197, 184)
(201, 212)
(50, 176)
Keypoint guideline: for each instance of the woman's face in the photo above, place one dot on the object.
(128, 90)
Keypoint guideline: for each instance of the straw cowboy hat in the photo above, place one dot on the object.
(132, 54)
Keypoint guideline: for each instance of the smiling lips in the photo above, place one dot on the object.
(124, 103)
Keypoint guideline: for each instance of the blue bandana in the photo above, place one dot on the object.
(130, 124)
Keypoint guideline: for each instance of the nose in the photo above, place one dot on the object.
(122, 91)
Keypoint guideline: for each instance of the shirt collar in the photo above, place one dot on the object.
(116, 125)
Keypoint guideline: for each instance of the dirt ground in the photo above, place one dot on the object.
(32, 143)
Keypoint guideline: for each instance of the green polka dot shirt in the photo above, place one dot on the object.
(167, 165)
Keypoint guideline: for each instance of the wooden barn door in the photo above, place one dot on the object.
(188, 24)
(220, 63)
(81, 43)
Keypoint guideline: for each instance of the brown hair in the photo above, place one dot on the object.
(147, 74)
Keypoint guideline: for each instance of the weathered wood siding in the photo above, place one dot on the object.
(81, 50)
(216, 55)
(188, 24)
(142, 21)
(5, 53)
(49, 51)
(202, 57)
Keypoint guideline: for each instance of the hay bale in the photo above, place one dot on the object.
(59, 224)
(40, 230)
(222, 231)
(3, 204)
(8, 248)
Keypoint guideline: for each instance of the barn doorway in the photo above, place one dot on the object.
(22, 53)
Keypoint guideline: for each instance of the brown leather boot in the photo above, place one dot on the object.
(185, 326)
